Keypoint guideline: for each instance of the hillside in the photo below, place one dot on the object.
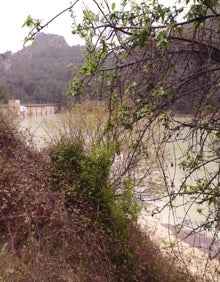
(60, 219)
(39, 73)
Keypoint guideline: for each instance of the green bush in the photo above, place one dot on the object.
(66, 166)
(78, 174)
(81, 176)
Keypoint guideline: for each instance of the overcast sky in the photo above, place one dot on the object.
(14, 13)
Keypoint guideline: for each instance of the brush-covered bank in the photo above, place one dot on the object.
(61, 221)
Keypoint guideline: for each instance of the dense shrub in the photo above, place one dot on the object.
(81, 176)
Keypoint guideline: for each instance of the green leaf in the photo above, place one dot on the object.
(113, 6)
(29, 22)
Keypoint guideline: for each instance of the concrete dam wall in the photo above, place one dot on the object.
(26, 110)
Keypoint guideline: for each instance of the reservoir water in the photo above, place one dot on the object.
(40, 128)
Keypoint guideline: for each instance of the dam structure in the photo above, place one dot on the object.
(29, 110)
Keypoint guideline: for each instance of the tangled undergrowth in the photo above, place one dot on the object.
(60, 219)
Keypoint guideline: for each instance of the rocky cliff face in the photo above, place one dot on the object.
(43, 41)
(43, 44)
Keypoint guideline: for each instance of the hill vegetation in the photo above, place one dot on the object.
(40, 73)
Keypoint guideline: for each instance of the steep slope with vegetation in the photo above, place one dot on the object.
(60, 220)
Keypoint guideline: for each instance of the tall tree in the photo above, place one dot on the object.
(159, 68)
